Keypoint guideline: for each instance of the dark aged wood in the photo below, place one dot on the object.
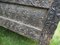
(36, 3)
(51, 21)
(35, 23)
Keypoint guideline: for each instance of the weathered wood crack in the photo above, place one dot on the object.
(24, 5)
(19, 22)
(36, 3)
